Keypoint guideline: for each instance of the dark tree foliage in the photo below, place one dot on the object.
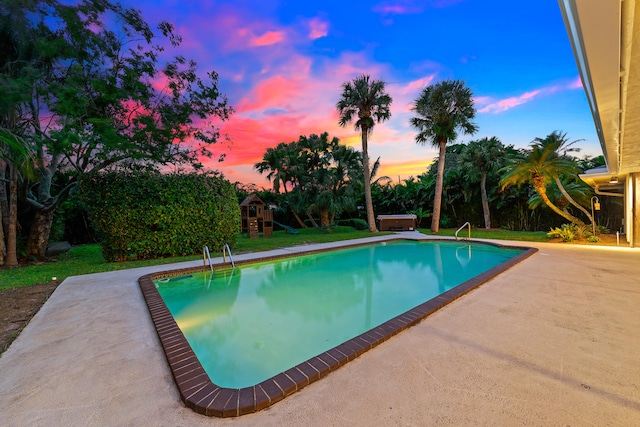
(317, 175)
(88, 87)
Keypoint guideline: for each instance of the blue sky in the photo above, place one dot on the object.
(282, 64)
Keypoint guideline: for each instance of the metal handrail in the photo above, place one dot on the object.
(466, 224)
(206, 257)
(226, 249)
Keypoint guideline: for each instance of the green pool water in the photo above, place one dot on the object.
(253, 322)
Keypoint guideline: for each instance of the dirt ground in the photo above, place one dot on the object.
(18, 306)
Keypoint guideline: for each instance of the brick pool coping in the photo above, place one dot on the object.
(199, 393)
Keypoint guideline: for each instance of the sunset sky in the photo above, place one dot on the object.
(282, 64)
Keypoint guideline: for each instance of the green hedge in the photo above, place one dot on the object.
(144, 215)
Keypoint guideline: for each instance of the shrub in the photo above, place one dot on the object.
(146, 215)
(357, 223)
(603, 230)
(593, 239)
(567, 232)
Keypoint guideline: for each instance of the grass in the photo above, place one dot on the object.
(88, 259)
(522, 236)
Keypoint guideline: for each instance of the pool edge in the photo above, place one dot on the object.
(199, 393)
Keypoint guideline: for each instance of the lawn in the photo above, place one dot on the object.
(87, 259)
(495, 234)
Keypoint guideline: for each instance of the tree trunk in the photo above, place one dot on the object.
(4, 197)
(12, 230)
(371, 220)
(324, 218)
(40, 231)
(571, 200)
(295, 214)
(313, 221)
(4, 213)
(297, 217)
(437, 197)
(485, 201)
(542, 191)
(3, 248)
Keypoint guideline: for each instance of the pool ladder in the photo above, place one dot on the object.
(466, 224)
(207, 256)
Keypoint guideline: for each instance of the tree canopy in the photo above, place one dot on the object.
(90, 87)
(316, 173)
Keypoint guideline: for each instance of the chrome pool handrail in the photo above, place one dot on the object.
(206, 256)
(226, 249)
(466, 224)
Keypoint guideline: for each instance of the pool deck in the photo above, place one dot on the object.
(555, 340)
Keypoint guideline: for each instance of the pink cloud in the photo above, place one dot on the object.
(487, 104)
(274, 92)
(445, 3)
(576, 83)
(509, 103)
(415, 86)
(295, 96)
(397, 8)
(317, 28)
(268, 38)
(406, 7)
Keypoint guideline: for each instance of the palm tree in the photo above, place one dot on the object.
(279, 162)
(560, 144)
(480, 158)
(367, 100)
(539, 168)
(443, 109)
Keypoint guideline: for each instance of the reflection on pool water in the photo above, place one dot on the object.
(253, 322)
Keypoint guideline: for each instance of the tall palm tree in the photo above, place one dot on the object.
(367, 100)
(540, 168)
(560, 144)
(480, 158)
(443, 110)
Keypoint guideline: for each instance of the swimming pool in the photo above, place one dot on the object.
(276, 328)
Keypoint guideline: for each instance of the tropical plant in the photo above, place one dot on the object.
(478, 159)
(567, 232)
(280, 163)
(320, 173)
(541, 166)
(367, 100)
(559, 143)
(443, 110)
(328, 169)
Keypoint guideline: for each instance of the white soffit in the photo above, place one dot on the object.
(593, 27)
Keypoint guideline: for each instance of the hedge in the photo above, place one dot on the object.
(143, 215)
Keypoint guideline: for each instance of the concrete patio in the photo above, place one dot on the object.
(554, 340)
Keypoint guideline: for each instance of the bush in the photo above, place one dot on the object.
(357, 223)
(567, 232)
(146, 215)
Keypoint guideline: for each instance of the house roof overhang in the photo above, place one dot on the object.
(607, 52)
